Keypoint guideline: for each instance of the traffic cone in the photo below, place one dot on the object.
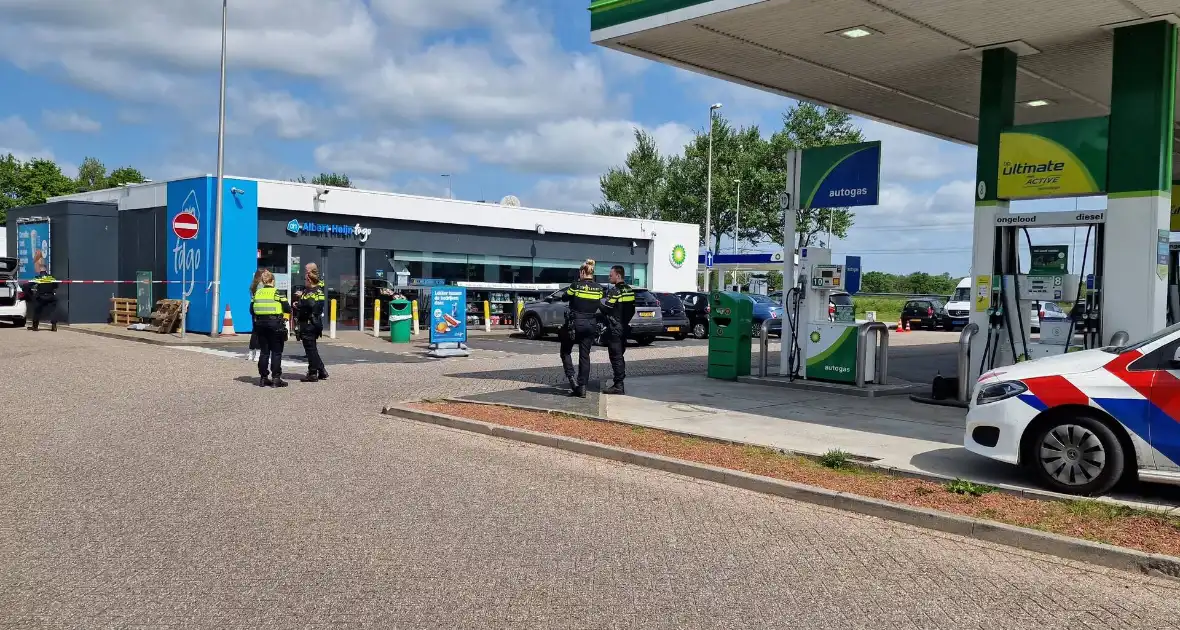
(227, 323)
(900, 328)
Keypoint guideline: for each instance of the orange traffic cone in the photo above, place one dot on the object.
(900, 328)
(227, 323)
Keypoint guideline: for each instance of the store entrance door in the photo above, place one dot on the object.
(339, 270)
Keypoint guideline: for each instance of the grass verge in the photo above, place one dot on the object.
(1090, 520)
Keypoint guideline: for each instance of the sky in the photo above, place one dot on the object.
(484, 98)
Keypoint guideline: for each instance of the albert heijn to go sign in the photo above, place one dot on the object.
(185, 226)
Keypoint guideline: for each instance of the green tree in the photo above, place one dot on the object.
(878, 282)
(636, 190)
(125, 175)
(338, 180)
(10, 168)
(805, 126)
(41, 179)
(92, 175)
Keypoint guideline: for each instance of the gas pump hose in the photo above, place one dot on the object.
(1074, 312)
(792, 313)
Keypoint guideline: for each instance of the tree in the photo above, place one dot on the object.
(878, 282)
(9, 185)
(338, 180)
(41, 179)
(92, 175)
(638, 189)
(806, 126)
(125, 175)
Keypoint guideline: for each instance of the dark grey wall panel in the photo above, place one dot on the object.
(143, 240)
(449, 238)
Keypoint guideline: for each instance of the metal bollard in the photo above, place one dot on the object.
(969, 331)
(763, 347)
(376, 318)
(519, 310)
(881, 373)
(487, 316)
(414, 310)
(332, 321)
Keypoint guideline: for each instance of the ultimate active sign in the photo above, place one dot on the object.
(1058, 159)
(841, 176)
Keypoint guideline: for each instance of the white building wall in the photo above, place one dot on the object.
(3, 241)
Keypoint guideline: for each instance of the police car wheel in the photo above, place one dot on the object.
(1077, 454)
(532, 327)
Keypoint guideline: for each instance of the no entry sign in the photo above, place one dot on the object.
(185, 226)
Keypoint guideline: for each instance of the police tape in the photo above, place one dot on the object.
(121, 281)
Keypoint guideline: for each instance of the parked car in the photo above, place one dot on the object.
(696, 307)
(12, 299)
(1081, 422)
(837, 298)
(546, 316)
(925, 312)
(676, 323)
(766, 308)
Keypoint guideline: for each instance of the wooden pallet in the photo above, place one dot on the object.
(124, 311)
(166, 317)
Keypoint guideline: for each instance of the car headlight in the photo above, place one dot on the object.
(995, 392)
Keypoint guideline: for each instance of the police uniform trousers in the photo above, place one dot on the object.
(45, 305)
(272, 334)
(616, 346)
(578, 331)
(309, 335)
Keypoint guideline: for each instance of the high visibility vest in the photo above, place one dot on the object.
(46, 279)
(267, 301)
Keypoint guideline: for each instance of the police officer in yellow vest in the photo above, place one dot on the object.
(269, 309)
(581, 326)
(44, 300)
(619, 308)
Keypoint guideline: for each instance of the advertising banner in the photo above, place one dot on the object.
(32, 247)
(1058, 159)
(1049, 260)
(840, 176)
(448, 315)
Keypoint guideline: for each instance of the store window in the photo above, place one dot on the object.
(634, 275)
(449, 268)
(501, 269)
(272, 257)
(554, 270)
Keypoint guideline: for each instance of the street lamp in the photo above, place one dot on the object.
(447, 178)
(709, 189)
(214, 327)
(737, 218)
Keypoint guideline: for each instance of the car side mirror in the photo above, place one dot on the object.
(1176, 358)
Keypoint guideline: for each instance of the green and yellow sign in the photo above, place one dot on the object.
(1058, 159)
(1175, 219)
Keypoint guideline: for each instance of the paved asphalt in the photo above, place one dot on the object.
(169, 492)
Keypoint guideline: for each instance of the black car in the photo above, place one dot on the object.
(696, 308)
(926, 313)
(676, 323)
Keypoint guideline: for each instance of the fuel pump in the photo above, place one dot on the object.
(828, 348)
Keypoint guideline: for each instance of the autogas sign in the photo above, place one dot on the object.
(1059, 159)
(841, 176)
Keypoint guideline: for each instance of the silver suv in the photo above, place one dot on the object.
(548, 315)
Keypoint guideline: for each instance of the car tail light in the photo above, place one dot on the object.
(20, 295)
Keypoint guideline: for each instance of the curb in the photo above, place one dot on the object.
(486, 403)
(167, 340)
(1027, 539)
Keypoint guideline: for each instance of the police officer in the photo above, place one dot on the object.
(309, 323)
(269, 307)
(44, 299)
(581, 326)
(618, 306)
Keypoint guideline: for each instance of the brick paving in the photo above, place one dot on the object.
(151, 487)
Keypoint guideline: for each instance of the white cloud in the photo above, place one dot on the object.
(70, 121)
(572, 194)
(290, 117)
(909, 156)
(578, 146)
(381, 158)
(19, 139)
(427, 15)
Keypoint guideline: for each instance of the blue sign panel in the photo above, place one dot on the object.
(448, 315)
(708, 259)
(329, 229)
(852, 274)
(842, 176)
(33, 247)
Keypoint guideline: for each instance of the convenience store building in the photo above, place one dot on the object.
(367, 245)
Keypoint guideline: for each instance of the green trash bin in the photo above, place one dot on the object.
(400, 320)
(730, 318)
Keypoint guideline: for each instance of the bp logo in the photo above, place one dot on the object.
(679, 255)
(815, 336)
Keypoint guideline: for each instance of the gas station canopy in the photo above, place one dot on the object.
(911, 63)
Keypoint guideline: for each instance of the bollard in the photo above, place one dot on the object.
(332, 321)
(376, 318)
(519, 309)
(414, 310)
(487, 316)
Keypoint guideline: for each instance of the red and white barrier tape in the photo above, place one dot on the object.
(120, 282)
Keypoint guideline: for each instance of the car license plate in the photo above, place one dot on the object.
(5, 292)
(958, 322)
(673, 329)
(647, 314)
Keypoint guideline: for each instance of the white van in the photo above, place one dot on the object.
(958, 307)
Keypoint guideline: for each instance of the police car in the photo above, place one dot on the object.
(1082, 421)
(12, 299)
